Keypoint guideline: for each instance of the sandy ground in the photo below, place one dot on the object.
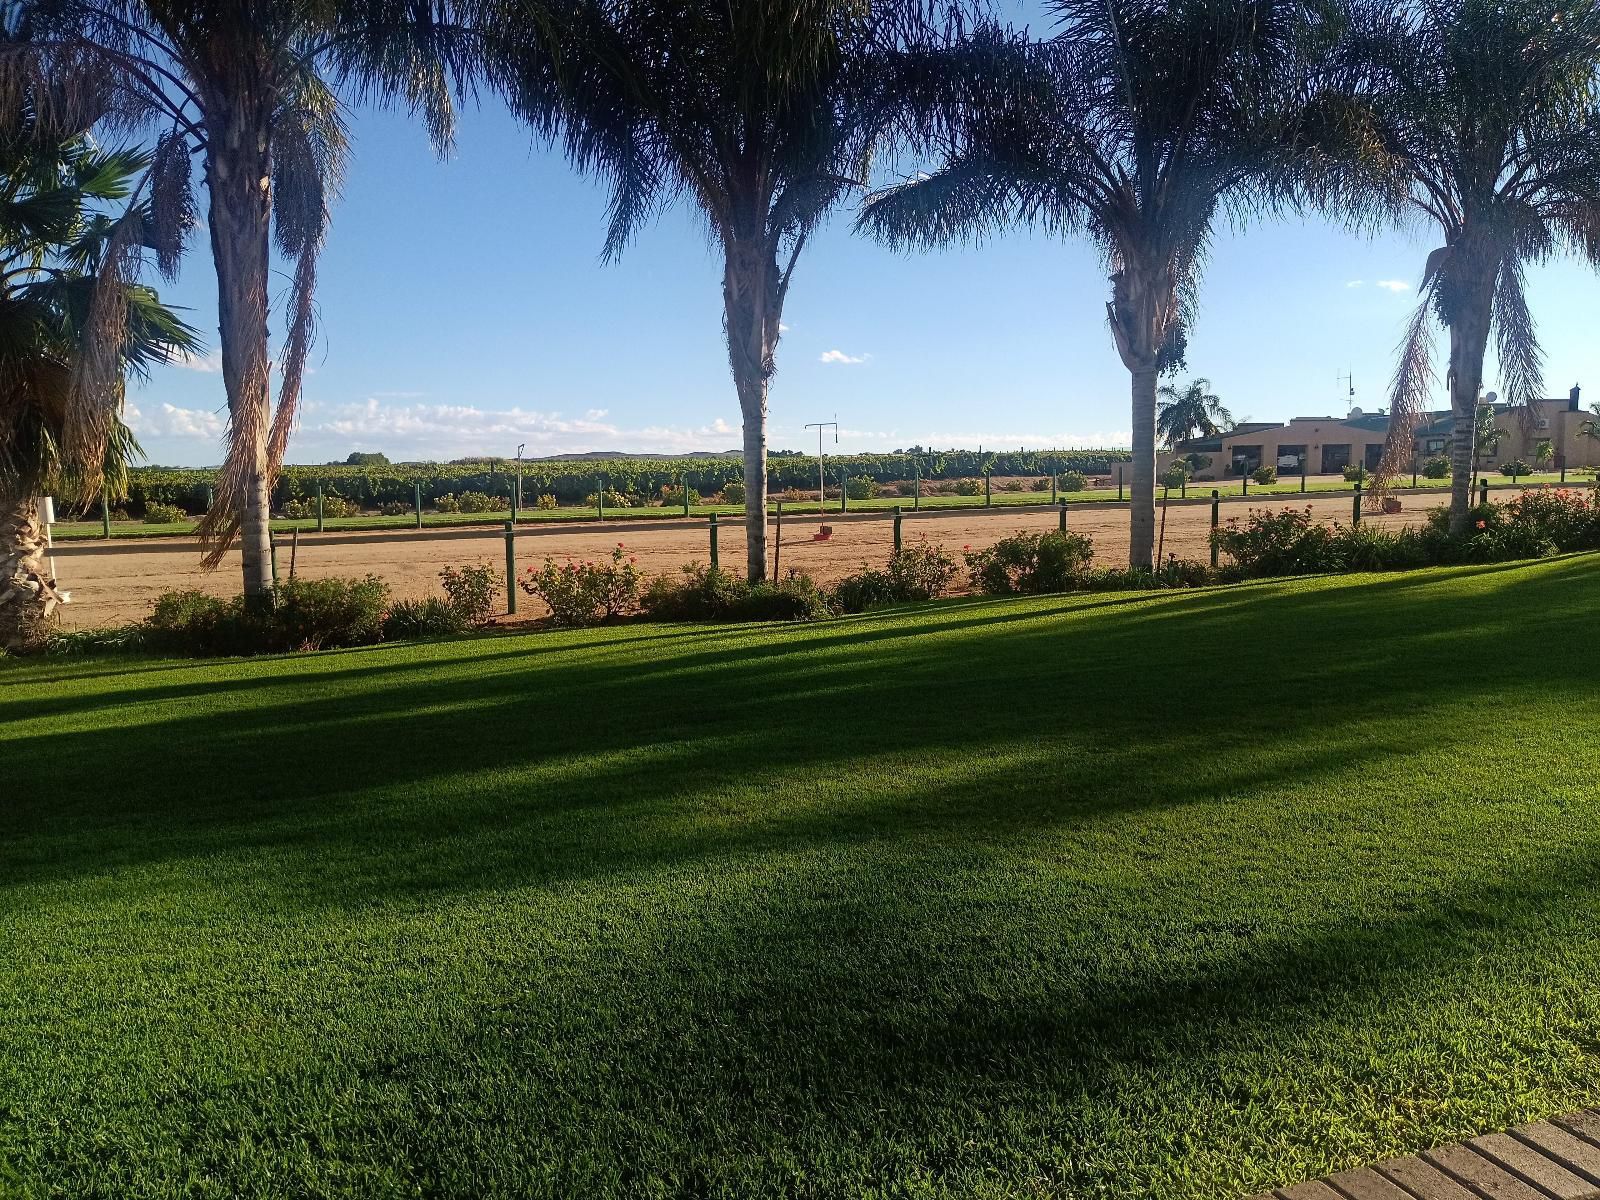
(115, 582)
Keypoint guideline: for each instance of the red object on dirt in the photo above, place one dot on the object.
(822, 534)
(1391, 504)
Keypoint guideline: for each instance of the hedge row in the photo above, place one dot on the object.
(571, 481)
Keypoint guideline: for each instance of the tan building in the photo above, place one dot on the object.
(1327, 445)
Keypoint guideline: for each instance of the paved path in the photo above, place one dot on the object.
(1549, 1160)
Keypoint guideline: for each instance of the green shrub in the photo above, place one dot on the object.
(1286, 541)
(868, 588)
(304, 614)
(192, 622)
(1074, 481)
(796, 597)
(1265, 474)
(968, 487)
(479, 502)
(586, 593)
(471, 591)
(447, 503)
(545, 502)
(318, 614)
(394, 508)
(1030, 563)
(1437, 467)
(410, 619)
(702, 594)
(1356, 473)
(733, 492)
(861, 487)
(1174, 478)
(921, 571)
(164, 514)
(1041, 484)
(614, 499)
(711, 594)
(907, 487)
(1516, 468)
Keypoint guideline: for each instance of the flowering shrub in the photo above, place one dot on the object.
(480, 502)
(1074, 481)
(545, 502)
(1437, 467)
(1516, 468)
(733, 492)
(471, 591)
(1355, 473)
(447, 503)
(968, 487)
(1265, 475)
(1030, 563)
(861, 487)
(585, 593)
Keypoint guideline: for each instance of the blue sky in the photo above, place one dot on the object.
(464, 309)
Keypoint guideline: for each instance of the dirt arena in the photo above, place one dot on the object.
(115, 582)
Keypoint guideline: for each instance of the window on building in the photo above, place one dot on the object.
(1335, 458)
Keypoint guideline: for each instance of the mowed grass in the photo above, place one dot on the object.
(1100, 896)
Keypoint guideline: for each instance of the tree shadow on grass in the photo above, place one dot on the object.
(484, 767)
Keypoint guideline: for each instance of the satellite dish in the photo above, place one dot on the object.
(1491, 398)
(1355, 412)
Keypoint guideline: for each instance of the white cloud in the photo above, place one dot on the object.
(1355, 283)
(840, 357)
(1394, 285)
(208, 364)
(173, 422)
(966, 439)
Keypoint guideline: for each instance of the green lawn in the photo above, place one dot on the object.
(1094, 896)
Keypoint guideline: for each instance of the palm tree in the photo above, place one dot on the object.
(64, 307)
(1482, 117)
(763, 114)
(1134, 126)
(247, 88)
(1193, 412)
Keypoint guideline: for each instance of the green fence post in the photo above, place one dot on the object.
(1244, 483)
(511, 569)
(1483, 491)
(1355, 506)
(844, 491)
(1054, 488)
(1062, 504)
(1119, 484)
(1216, 514)
(600, 498)
(897, 529)
(319, 506)
(713, 528)
(988, 500)
(916, 484)
(684, 483)
(1183, 487)
(105, 516)
(515, 496)
(416, 496)
(1302, 474)
(1563, 468)
(272, 548)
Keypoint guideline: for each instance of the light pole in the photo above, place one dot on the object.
(822, 480)
(521, 446)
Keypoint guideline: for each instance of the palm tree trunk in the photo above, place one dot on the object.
(237, 176)
(1469, 339)
(1140, 294)
(28, 596)
(753, 403)
(752, 305)
(1142, 484)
